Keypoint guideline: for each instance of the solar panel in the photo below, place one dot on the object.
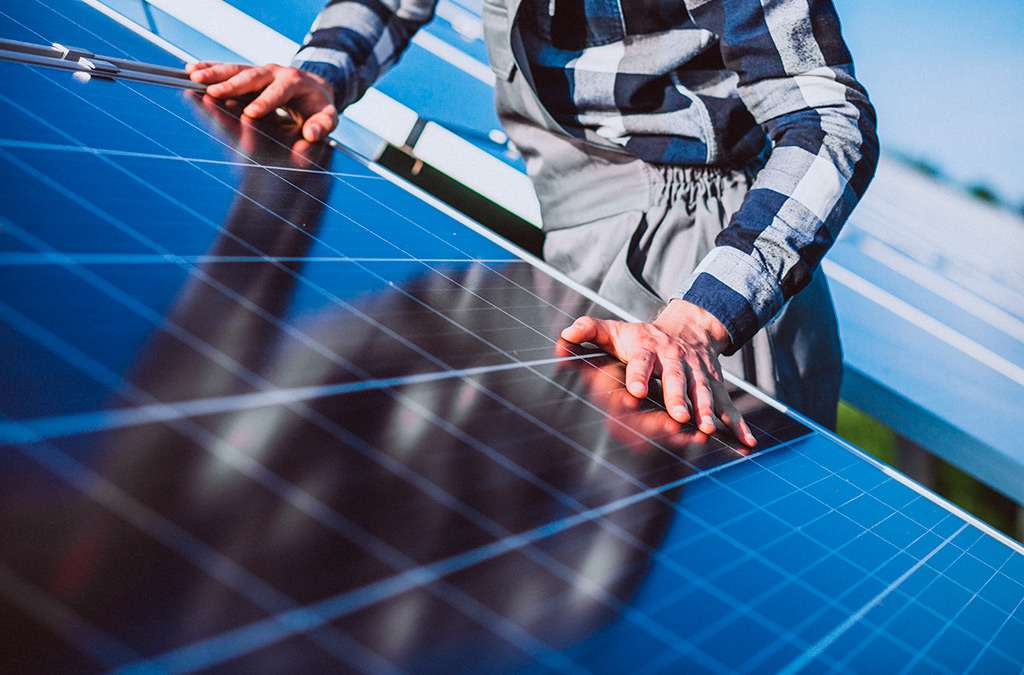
(265, 409)
(902, 256)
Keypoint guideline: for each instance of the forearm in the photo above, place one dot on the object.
(791, 217)
(798, 84)
(353, 42)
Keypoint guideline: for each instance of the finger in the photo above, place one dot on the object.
(702, 400)
(747, 436)
(734, 422)
(315, 104)
(198, 65)
(320, 124)
(304, 97)
(731, 417)
(245, 81)
(673, 385)
(583, 329)
(639, 368)
(212, 73)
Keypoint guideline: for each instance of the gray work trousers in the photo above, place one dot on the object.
(634, 231)
(638, 258)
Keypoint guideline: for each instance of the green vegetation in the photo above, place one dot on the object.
(925, 167)
(950, 482)
(984, 193)
(980, 191)
(867, 434)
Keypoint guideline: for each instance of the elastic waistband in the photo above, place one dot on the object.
(691, 185)
(590, 191)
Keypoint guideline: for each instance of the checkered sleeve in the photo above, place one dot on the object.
(796, 78)
(353, 42)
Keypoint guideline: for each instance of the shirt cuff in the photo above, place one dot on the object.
(735, 290)
(335, 76)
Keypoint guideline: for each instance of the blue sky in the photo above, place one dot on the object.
(947, 79)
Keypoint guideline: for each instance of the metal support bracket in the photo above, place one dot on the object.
(84, 61)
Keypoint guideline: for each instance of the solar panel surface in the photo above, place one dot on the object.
(943, 298)
(263, 410)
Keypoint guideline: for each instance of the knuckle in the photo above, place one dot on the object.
(640, 360)
(675, 352)
(276, 90)
(289, 76)
(647, 343)
(672, 370)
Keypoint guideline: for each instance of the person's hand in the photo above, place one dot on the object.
(682, 346)
(262, 140)
(632, 422)
(305, 95)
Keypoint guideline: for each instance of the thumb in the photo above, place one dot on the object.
(583, 329)
(319, 125)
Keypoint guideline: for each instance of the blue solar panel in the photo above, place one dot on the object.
(264, 410)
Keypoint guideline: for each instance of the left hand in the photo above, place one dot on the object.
(305, 95)
(253, 135)
(682, 346)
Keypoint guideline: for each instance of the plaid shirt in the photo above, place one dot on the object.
(700, 82)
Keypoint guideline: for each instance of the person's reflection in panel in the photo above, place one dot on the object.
(385, 461)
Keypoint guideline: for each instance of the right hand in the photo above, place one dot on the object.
(630, 421)
(682, 347)
(307, 96)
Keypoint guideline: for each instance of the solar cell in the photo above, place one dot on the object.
(264, 409)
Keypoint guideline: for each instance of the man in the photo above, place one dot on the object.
(703, 152)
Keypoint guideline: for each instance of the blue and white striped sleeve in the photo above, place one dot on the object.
(353, 42)
(796, 78)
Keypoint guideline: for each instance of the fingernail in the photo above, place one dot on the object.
(680, 410)
(707, 423)
(252, 111)
(636, 389)
(314, 131)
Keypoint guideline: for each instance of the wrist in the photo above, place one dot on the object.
(680, 316)
(324, 85)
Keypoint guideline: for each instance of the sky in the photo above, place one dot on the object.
(947, 80)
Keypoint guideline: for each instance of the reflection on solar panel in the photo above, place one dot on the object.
(265, 410)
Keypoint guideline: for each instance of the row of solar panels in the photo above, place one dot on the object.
(914, 270)
(265, 408)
